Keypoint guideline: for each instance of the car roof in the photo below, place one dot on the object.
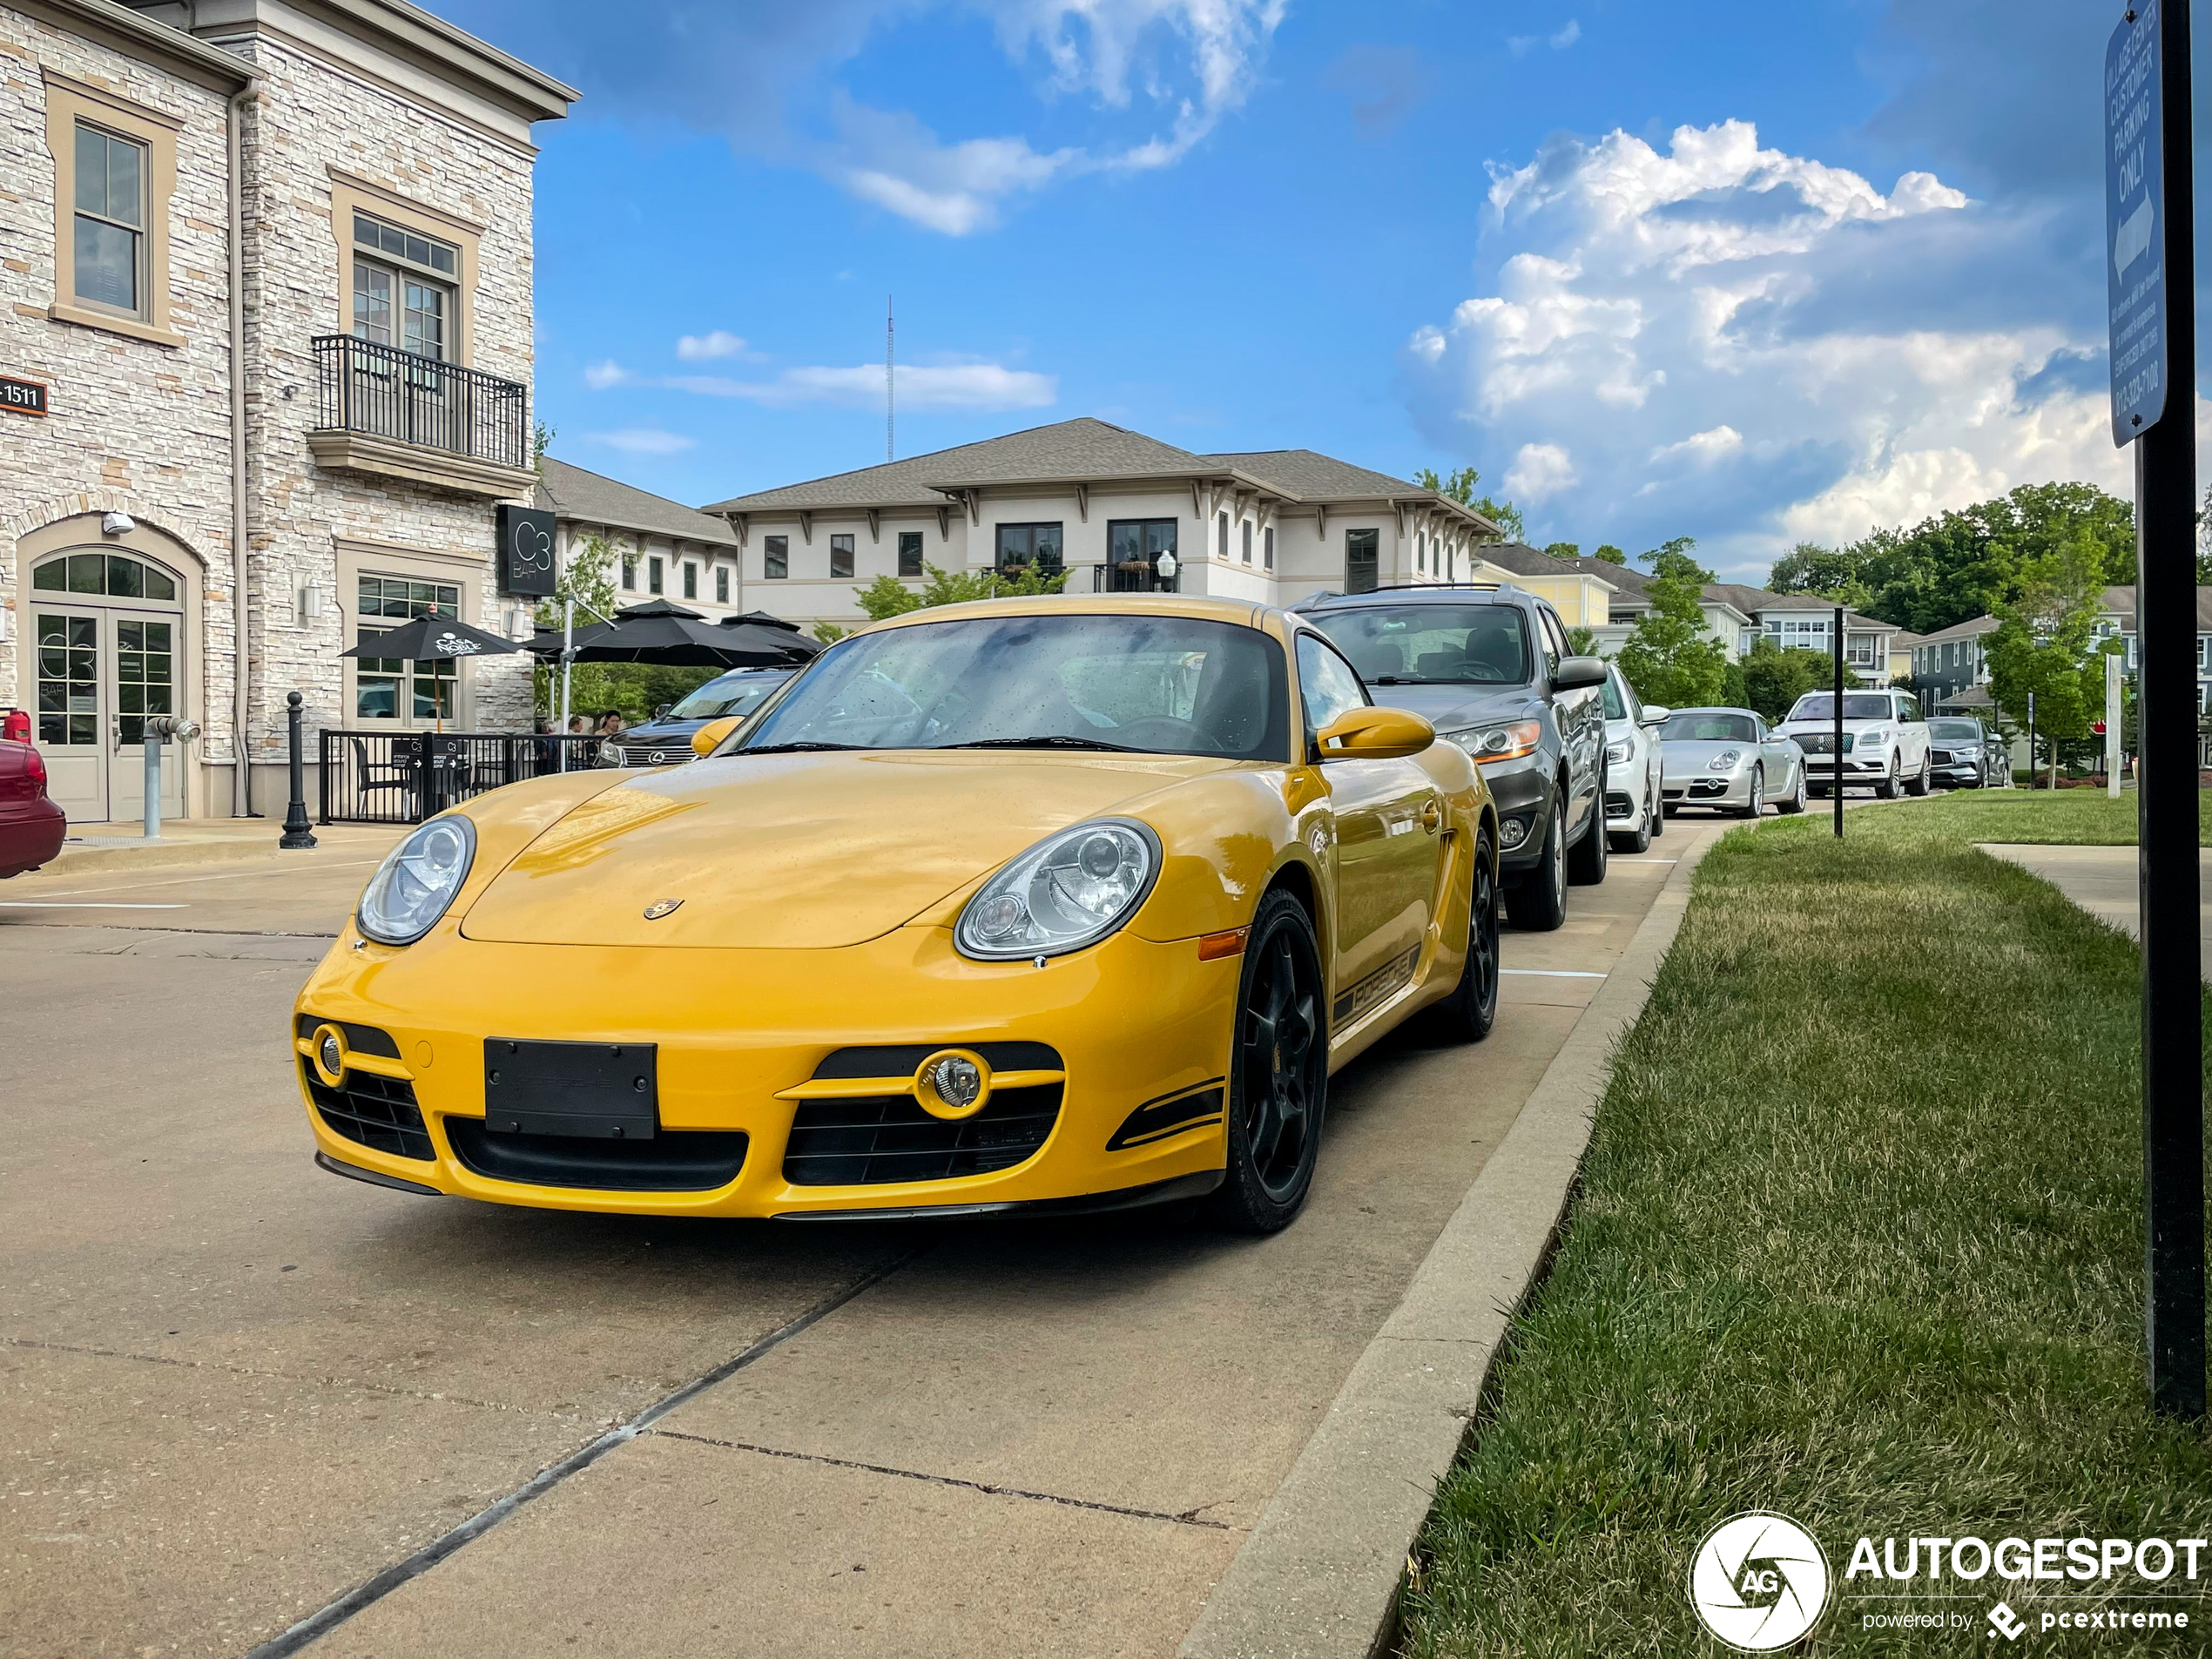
(1198, 607)
(1715, 708)
(1422, 593)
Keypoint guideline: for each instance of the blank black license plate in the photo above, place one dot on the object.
(605, 1090)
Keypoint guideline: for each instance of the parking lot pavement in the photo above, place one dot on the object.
(238, 1387)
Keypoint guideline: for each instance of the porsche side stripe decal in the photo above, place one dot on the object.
(1378, 986)
(1170, 1114)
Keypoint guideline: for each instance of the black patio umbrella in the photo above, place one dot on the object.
(673, 636)
(431, 636)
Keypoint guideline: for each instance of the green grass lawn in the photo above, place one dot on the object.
(2081, 817)
(1858, 1241)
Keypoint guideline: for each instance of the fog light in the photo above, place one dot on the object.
(957, 1082)
(1513, 832)
(334, 1057)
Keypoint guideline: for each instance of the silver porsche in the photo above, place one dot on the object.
(1728, 759)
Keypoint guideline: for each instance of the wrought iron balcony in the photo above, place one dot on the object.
(383, 410)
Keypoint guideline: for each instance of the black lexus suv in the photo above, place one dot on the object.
(1489, 667)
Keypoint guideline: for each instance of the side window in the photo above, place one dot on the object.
(1554, 637)
(1909, 708)
(1327, 685)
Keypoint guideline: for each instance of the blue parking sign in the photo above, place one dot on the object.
(2135, 224)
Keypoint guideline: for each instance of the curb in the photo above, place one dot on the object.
(1318, 1576)
(184, 853)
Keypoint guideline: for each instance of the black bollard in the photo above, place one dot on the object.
(296, 835)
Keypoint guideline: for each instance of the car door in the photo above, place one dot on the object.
(1388, 817)
(1780, 756)
(1580, 716)
(1913, 732)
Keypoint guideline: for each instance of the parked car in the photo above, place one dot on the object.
(665, 740)
(31, 823)
(1064, 928)
(1886, 741)
(1634, 812)
(1959, 752)
(1728, 759)
(1488, 666)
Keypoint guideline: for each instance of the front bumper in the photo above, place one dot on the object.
(1859, 772)
(1522, 791)
(1708, 788)
(1140, 1031)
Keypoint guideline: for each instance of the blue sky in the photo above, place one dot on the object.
(1745, 272)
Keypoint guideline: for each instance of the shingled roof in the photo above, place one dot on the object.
(592, 498)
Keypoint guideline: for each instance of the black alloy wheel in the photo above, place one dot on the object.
(1467, 1014)
(1279, 1072)
(1539, 903)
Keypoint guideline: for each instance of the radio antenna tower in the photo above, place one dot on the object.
(890, 395)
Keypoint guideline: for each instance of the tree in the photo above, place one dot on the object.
(1460, 487)
(1564, 550)
(1610, 554)
(888, 597)
(541, 437)
(1582, 641)
(1832, 574)
(1968, 563)
(1671, 656)
(2204, 542)
(1774, 678)
(2045, 643)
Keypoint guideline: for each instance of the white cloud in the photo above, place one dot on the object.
(642, 440)
(1521, 45)
(1540, 471)
(920, 386)
(599, 376)
(694, 348)
(1752, 348)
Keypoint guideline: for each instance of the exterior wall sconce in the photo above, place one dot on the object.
(311, 603)
(117, 523)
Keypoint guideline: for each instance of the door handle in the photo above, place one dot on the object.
(1431, 816)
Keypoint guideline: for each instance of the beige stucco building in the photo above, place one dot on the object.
(269, 271)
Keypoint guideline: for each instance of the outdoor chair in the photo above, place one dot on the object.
(390, 776)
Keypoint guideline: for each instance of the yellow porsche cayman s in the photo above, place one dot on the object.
(1051, 904)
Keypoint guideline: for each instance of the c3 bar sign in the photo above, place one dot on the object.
(526, 552)
(2135, 223)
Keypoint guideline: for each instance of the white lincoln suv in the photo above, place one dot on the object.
(1885, 742)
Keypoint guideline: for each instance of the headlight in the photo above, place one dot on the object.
(1067, 891)
(1507, 742)
(1616, 753)
(1725, 760)
(610, 755)
(412, 888)
(1878, 735)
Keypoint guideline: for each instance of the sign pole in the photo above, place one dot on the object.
(2153, 289)
(2112, 725)
(1835, 642)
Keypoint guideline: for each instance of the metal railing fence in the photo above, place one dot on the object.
(405, 777)
(387, 393)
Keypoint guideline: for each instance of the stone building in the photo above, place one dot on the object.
(269, 284)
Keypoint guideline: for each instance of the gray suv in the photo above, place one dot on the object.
(1489, 667)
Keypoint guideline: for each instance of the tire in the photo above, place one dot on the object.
(1887, 788)
(1471, 1009)
(1919, 786)
(1586, 860)
(1281, 1009)
(1756, 805)
(1980, 779)
(1539, 904)
(1796, 803)
(1658, 803)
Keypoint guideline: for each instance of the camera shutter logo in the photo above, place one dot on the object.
(1758, 1582)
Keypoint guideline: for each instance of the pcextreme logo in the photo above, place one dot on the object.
(1758, 1582)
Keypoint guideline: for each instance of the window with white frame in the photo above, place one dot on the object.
(110, 219)
(1798, 633)
(386, 687)
(403, 288)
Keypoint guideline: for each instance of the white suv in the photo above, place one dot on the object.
(1635, 813)
(1885, 742)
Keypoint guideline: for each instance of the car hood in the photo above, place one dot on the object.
(1790, 728)
(1454, 708)
(797, 852)
(661, 734)
(1684, 755)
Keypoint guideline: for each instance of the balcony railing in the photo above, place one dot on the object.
(383, 392)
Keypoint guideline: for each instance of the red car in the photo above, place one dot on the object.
(32, 827)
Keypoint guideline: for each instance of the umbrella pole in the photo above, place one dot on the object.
(567, 653)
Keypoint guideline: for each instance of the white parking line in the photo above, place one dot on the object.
(1551, 973)
(26, 904)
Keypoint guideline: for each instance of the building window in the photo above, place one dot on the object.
(1022, 546)
(403, 290)
(910, 553)
(380, 683)
(1267, 546)
(111, 232)
(722, 584)
(690, 580)
(1799, 634)
(1362, 550)
(629, 572)
(1134, 548)
(840, 555)
(652, 575)
(1221, 536)
(775, 557)
(1246, 525)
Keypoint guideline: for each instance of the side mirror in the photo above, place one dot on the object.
(708, 738)
(1654, 715)
(1574, 672)
(661, 713)
(1374, 734)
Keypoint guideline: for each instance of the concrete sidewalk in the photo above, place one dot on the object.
(111, 850)
(2103, 881)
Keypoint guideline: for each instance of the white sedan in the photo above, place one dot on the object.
(1633, 815)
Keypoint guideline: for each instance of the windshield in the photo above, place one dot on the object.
(1955, 730)
(726, 695)
(1692, 727)
(1153, 684)
(1821, 705)
(1432, 644)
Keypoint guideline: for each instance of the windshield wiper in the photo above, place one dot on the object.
(796, 748)
(1054, 741)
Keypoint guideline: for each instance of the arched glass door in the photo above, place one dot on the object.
(108, 630)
